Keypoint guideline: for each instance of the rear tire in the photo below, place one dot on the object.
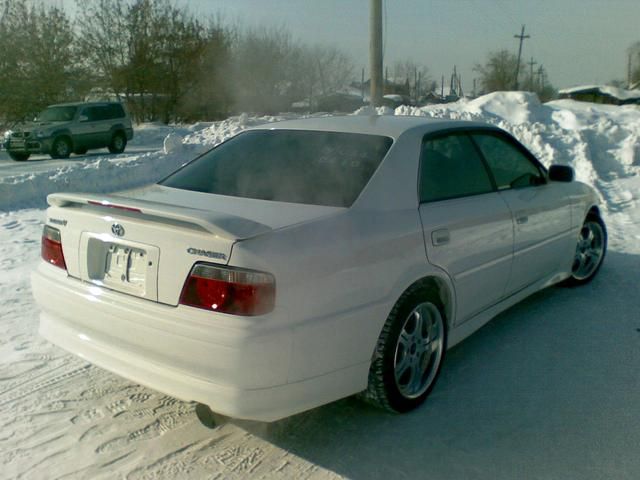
(61, 148)
(207, 417)
(19, 157)
(409, 353)
(118, 143)
(590, 251)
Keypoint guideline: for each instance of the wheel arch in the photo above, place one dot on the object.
(118, 128)
(65, 134)
(594, 210)
(441, 286)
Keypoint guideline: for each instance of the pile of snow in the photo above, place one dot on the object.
(599, 141)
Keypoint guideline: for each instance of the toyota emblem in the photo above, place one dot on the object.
(117, 230)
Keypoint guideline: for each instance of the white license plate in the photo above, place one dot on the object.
(126, 266)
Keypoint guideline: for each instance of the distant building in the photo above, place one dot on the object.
(601, 94)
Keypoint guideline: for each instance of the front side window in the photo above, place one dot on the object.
(57, 114)
(510, 167)
(451, 167)
(296, 166)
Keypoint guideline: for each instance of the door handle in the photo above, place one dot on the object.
(522, 220)
(440, 237)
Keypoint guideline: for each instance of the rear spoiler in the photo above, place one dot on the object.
(224, 225)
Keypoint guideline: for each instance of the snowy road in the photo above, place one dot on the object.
(549, 389)
(44, 163)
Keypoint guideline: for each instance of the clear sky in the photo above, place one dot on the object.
(577, 41)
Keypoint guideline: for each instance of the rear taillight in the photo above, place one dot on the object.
(52, 247)
(229, 290)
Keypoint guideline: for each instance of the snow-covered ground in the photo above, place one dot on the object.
(549, 389)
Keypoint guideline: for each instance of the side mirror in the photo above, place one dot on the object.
(84, 118)
(561, 173)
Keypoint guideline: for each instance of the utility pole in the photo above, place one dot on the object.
(385, 85)
(375, 51)
(453, 90)
(629, 71)
(522, 37)
(541, 77)
(531, 64)
(362, 84)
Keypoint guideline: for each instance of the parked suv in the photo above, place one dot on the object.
(60, 130)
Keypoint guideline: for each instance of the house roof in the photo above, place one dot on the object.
(615, 92)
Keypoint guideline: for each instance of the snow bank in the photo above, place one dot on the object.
(599, 141)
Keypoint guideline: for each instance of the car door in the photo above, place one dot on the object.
(87, 131)
(468, 228)
(102, 115)
(541, 210)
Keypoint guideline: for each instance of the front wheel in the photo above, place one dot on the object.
(61, 148)
(409, 353)
(590, 251)
(19, 157)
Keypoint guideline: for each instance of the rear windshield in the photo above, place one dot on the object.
(312, 167)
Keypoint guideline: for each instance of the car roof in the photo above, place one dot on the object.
(387, 125)
(82, 104)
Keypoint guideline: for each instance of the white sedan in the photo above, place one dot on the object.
(301, 262)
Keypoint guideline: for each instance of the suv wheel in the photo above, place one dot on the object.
(19, 157)
(61, 148)
(118, 143)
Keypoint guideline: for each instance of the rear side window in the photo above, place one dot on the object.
(510, 167)
(115, 110)
(311, 167)
(94, 113)
(451, 167)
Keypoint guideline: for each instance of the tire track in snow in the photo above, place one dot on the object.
(11, 395)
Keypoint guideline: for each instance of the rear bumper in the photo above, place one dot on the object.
(237, 366)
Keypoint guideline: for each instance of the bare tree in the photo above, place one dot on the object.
(320, 71)
(497, 73)
(37, 64)
(410, 79)
(634, 64)
(150, 51)
(262, 68)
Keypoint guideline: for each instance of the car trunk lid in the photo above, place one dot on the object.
(144, 243)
